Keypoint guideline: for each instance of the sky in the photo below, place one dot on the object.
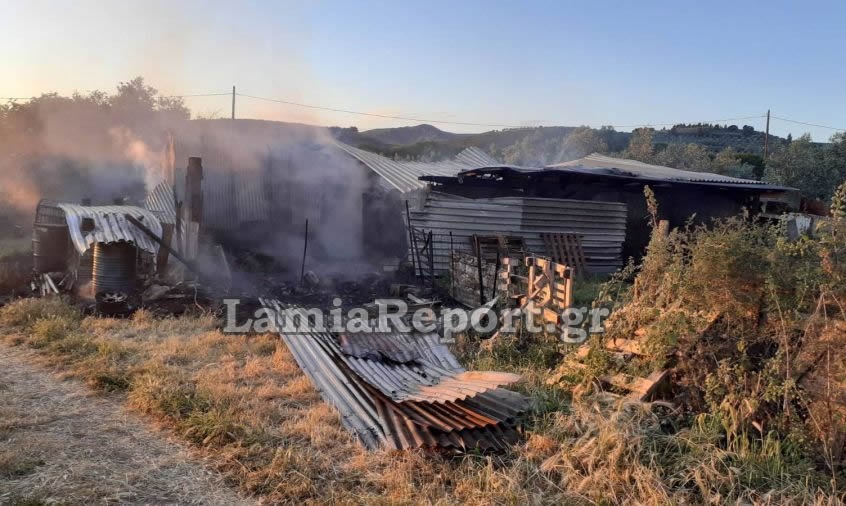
(503, 63)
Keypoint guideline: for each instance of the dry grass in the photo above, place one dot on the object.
(243, 402)
(62, 445)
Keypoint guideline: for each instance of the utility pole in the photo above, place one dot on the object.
(233, 103)
(766, 135)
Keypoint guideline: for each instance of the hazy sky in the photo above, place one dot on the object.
(498, 62)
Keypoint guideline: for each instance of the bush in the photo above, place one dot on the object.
(744, 317)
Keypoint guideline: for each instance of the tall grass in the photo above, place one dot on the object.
(244, 403)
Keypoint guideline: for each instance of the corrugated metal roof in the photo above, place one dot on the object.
(486, 420)
(475, 157)
(399, 347)
(160, 202)
(607, 165)
(424, 382)
(404, 176)
(602, 225)
(110, 226)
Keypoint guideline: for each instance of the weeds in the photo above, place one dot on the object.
(755, 370)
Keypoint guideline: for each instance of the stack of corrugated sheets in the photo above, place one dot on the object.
(406, 391)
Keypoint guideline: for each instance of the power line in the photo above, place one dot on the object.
(461, 123)
(809, 124)
(464, 123)
(759, 116)
(386, 116)
(162, 96)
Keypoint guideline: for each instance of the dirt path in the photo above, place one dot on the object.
(61, 443)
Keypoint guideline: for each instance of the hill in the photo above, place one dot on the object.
(411, 135)
(544, 144)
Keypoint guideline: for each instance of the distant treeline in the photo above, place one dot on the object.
(815, 168)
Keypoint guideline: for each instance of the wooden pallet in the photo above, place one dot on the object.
(492, 245)
(566, 249)
(548, 284)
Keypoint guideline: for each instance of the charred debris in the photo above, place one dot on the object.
(465, 232)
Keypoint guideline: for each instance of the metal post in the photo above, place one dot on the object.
(478, 245)
(410, 238)
(767, 138)
(432, 259)
(496, 274)
(233, 102)
(305, 250)
(451, 267)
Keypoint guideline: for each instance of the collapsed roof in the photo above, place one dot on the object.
(610, 166)
(601, 168)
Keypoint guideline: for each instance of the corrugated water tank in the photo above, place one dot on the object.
(114, 267)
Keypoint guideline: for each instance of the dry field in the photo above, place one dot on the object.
(241, 405)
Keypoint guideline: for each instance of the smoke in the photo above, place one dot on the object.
(67, 149)
(274, 177)
(262, 180)
(150, 163)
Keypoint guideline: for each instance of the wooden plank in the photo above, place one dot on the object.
(638, 388)
(625, 346)
(550, 316)
(622, 346)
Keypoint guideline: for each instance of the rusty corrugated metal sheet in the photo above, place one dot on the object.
(487, 420)
(400, 347)
(110, 226)
(377, 346)
(423, 382)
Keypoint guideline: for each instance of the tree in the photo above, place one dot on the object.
(801, 164)
(685, 156)
(640, 145)
(581, 142)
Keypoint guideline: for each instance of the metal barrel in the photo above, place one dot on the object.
(50, 247)
(114, 267)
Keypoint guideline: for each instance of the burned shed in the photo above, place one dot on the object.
(261, 181)
(682, 195)
(94, 248)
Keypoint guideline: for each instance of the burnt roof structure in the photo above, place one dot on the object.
(682, 194)
(606, 166)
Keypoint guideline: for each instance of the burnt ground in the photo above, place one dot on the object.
(59, 443)
(258, 275)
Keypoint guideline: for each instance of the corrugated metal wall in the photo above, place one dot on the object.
(601, 224)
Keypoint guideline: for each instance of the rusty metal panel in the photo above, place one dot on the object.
(110, 226)
(486, 420)
(417, 382)
(377, 346)
(400, 347)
